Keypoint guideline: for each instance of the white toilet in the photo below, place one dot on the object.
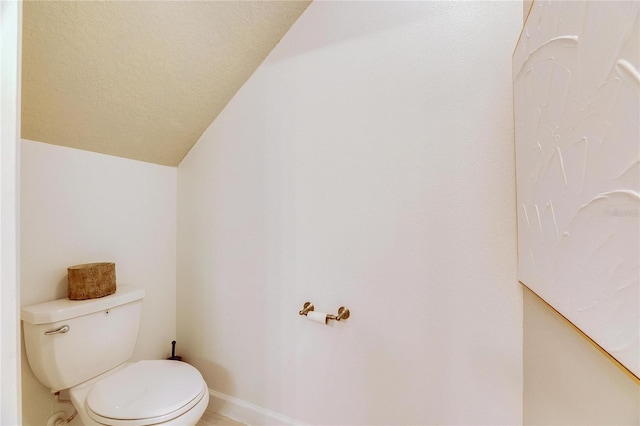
(84, 346)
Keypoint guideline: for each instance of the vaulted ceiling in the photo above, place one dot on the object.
(140, 79)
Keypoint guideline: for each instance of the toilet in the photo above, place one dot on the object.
(85, 347)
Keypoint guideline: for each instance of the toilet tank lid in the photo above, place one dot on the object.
(64, 309)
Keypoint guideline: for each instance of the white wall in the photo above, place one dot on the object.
(79, 207)
(10, 41)
(368, 162)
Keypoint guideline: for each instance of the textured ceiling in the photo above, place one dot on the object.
(140, 79)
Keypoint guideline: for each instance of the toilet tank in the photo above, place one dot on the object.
(71, 341)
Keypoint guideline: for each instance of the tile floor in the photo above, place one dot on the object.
(209, 418)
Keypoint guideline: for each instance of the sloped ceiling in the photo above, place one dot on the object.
(140, 79)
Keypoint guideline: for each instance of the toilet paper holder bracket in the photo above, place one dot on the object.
(343, 313)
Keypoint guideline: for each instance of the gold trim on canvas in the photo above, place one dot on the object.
(589, 339)
(524, 24)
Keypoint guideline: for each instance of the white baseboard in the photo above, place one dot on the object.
(246, 412)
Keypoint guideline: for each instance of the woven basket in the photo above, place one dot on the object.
(91, 280)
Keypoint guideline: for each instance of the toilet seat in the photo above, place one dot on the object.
(145, 393)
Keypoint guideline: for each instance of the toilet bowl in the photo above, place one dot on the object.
(158, 392)
(86, 346)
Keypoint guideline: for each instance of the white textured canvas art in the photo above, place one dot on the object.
(576, 73)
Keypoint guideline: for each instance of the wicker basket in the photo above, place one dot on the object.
(91, 280)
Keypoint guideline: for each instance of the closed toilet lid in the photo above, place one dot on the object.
(145, 389)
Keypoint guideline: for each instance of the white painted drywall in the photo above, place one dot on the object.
(10, 40)
(79, 207)
(368, 162)
(567, 381)
(577, 111)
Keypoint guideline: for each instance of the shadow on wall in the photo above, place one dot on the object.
(324, 36)
(216, 377)
(62, 287)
